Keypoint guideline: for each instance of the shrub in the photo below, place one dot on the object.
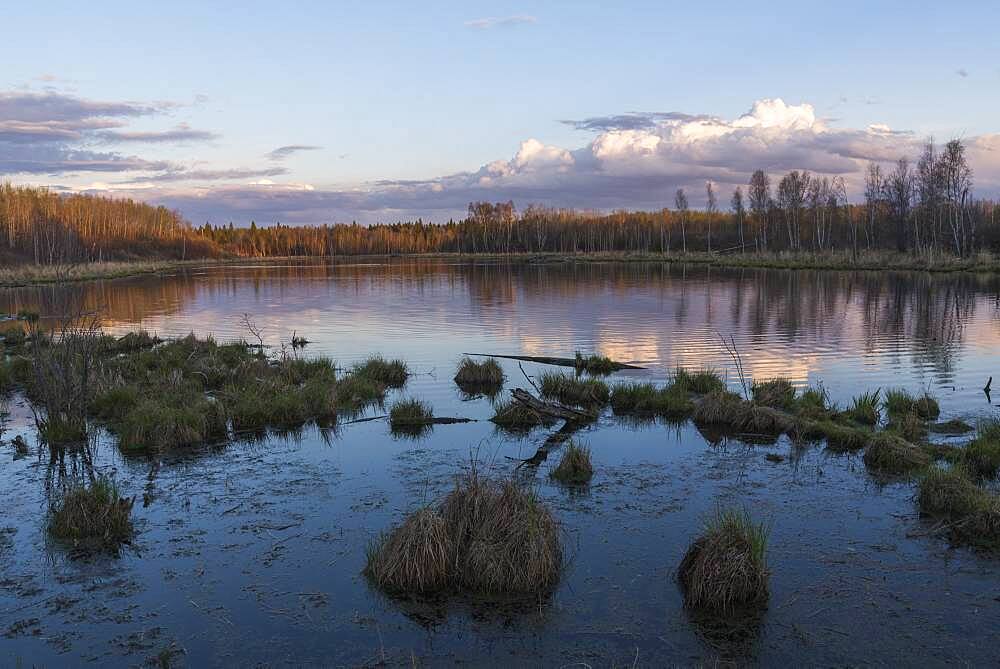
(574, 467)
(725, 568)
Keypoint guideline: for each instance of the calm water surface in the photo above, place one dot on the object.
(251, 552)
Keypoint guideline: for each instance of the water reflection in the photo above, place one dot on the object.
(850, 329)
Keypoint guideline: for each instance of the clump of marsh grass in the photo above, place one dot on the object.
(594, 364)
(645, 399)
(409, 414)
(908, 425)
(568, 390)
(183, 420)
(813, 403)
(485, 377)
(727, 409)
(702, 382)
(950, 493)
(506, 540)
(574, 467)
(354, 392)
(952, 427)
(841, 438)
(890, 455)
(899, 402)
(982, 455)
(390, 373)
(414, 557)
(776, 393)
(94, 517)
(516, 417)
(725, 569)
(865, 408)
(486, 538)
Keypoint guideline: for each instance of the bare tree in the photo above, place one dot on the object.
(760, 194)
(899, 197)
(792, 191)
(957, 177)
(874, 190)
(681, 205)
(739, 213)
(712, 207)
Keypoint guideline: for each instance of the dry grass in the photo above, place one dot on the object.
(726, 568)
(413, 558)
(575, 467)
(486, 538)
(95, 517)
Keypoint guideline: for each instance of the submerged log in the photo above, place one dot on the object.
(549, 360)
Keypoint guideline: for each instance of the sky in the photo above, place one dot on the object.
(329, 112)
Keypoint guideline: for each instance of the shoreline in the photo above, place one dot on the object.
(880, 261)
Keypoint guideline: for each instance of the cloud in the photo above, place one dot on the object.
(962, 72)
(51, 132)
(175, 174)
(634, 160)
(500, 22)
(178, 134)
(283, 152)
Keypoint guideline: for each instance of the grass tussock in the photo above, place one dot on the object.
(972, 514)
(890, 455)
(727, 409)
(899, 402)
(865, 408)
(813, 404)
(575, 391)
(483, 376)
(160, 424)
(95, 517)
(777, 393)
(413, 558)
(909, 426)
(842, 438)
(575, 467)
(981, 456)
(390, 373)
(702, 382)
(595, 364)
(645, 399)
(410, 413)
(486, 538)
(725, 569)
(953, 427)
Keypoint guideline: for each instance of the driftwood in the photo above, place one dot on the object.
(574, 419)
(548, 360)
(552, 409)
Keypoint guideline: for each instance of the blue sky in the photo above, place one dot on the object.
(406, 105)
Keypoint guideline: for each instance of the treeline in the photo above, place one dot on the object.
(924, 208)
(47, 228)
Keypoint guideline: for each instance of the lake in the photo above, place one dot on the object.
(252, 552)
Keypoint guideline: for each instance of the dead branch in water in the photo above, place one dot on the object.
(549, 360)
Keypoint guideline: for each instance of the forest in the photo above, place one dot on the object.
(923, 207)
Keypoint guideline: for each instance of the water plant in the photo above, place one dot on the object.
(981, 456)
(574, 467)
(568, 390)
(890, 455)
(898, 402)
(701, 382)
(645, 399)
(478, 376)
(390, 373)
(725, 569)
(865, 408)
(594, 364)
(94, 516)
(410, 413)
(776, 393)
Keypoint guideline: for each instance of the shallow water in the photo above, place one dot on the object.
(252, 552)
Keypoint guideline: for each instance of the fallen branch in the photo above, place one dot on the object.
(548, 360)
